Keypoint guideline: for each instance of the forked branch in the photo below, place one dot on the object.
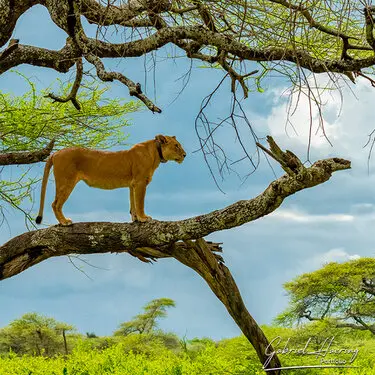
(73, 93)
(134, 88)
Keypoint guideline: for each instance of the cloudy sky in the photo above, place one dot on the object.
(331, 222)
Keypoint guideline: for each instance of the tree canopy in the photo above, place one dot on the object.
(147, 321)
(341, 294)
(34, 334)
(318, 35)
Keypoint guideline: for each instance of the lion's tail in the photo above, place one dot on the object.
(47, 169)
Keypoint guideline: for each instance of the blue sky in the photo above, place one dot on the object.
(331, 222)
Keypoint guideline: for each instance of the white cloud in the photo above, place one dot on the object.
(338, 255)
(303, 217)
(346, 122)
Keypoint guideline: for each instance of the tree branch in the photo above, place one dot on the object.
(26, 157)
(10, 12)
(198, 26)
(208, 38)
(61, 60)
(134, 88)
(199, 256)
(30, 248)
(356, 326)
(73, 93)
(122, 14)
(13, 44)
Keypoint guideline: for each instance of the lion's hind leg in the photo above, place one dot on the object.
(64, 187)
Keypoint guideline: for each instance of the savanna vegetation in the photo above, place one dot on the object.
(35, 344)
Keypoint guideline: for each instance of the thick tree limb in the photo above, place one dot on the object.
(13, 44)
(10, 11)
(198, 26)
(57, 59)
(123, 14)
(26, 157)
(359, 327)
(362, 326)
(61, 60)
(30, 248)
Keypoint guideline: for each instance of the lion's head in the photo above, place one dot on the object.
(171, 148)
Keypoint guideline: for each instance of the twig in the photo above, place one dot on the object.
(288, 161)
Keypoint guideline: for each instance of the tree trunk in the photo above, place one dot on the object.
(65, 343)
(200, 257)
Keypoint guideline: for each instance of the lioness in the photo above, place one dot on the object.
(131, 168)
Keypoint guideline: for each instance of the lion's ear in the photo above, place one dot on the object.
(173, 136)
(161, 138)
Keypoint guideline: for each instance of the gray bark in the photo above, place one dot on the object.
(205, 28)
(32, 247)
(26, 157)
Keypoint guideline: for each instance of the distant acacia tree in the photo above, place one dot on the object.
(35, 334)
(146, 322)
(341, 294)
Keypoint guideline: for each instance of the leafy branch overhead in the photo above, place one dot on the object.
(312, 34)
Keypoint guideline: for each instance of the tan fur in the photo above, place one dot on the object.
(131, 168)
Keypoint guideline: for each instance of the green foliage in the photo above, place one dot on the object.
(34, 334)
(147, 354)
(30, 121)
(119, 360)
(146, 322)
(336, 293)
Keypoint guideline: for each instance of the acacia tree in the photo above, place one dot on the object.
(342, 295)
(34, 334)
(247, 40)
(146, 322)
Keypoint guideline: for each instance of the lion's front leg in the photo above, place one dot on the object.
(139, 200)
(132, 204)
